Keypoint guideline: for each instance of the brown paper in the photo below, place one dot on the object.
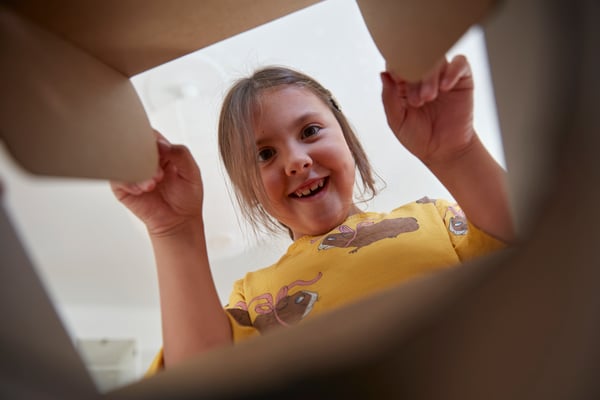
(532, 58)
(64, 113)
(413, 35)
(68, 108)
(38, 357)
(133, 36)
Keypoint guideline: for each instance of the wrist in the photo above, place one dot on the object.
(182, 247)
(478, 184)
(183, 228)
(465, 156)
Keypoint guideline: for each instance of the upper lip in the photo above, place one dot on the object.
(307, 185)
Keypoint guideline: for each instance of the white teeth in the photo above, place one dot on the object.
(310, 189)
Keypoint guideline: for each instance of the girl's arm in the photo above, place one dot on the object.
(170, 205)
(193, 319)
(479, 185)
(433, 119)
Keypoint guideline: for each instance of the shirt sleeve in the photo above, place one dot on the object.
(239, 316)
(157, 364)
(468, 240)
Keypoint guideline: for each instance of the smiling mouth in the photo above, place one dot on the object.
(311, 190)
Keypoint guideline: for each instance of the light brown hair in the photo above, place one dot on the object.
(238, 149)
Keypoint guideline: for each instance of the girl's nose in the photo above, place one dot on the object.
(297, 162)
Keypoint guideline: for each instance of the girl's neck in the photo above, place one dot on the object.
(352, 211)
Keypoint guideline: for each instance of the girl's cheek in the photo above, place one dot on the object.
(269, 183)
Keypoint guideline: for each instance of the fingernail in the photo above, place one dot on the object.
(444, 83)
(159, 174)
(426, 90)
(163, 143)
(133, 189)
(146, 185)
(414, 97)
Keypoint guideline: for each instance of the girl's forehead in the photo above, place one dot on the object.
(287, 98)
(285, 89)
(287, 106)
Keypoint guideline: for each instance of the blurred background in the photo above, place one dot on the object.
(95, 258)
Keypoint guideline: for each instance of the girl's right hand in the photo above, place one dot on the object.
(172, 198)
(433, 118)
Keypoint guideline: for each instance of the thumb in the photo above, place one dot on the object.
(393, 96)
(181, 158)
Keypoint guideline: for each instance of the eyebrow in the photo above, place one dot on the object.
(306, 116)
(299, 121)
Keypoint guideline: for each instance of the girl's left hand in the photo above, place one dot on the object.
(432, 118)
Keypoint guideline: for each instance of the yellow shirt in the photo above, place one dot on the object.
(367, 253)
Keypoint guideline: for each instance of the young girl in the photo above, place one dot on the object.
(292, 158)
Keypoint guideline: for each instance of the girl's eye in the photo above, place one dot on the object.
(310, 131)
(265, 154)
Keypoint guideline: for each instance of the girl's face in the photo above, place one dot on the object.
(306, 167)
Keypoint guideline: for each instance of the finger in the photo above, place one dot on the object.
(149, 185)
(414, 94)
(159, 175)
(408, 91)
(170, 155)
(122, 190)
(175, 157)
(163, 145)
(160, 137)
(181, 158)
(458, 69)
(430, 84)
(388, 87)
(171, 172)
(394, 76)
(394, 98)
(138, 188)
(146, 186)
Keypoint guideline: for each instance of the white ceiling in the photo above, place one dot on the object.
(90, 251)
